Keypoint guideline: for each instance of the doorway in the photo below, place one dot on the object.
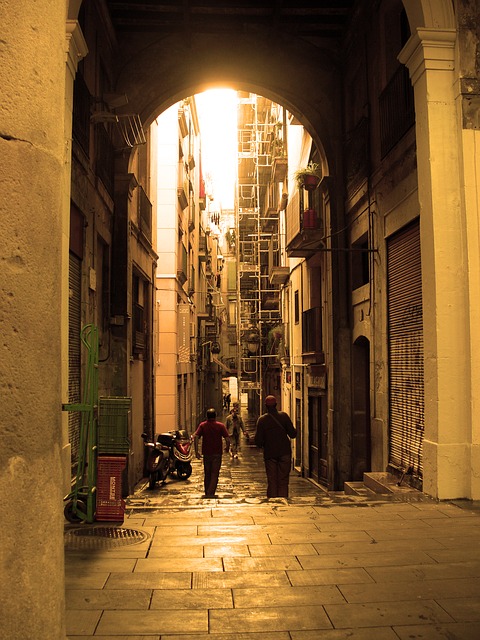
(318, 437)
(361, 433)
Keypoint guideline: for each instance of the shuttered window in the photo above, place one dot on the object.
(405, 338)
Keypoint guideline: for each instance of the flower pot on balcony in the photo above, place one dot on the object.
(309, 177)
(309, 219)
(310, 183)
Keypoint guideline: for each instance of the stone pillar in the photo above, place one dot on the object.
(32, 214)
(430, 57)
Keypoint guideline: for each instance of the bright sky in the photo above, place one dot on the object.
(217, 112)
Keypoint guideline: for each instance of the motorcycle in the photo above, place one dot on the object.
(181, 452)
(157, 461)
(171, 453)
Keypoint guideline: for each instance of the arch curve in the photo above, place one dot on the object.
(433, 14)
(290, 72)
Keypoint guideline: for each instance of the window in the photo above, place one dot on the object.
(139, 327)
(360, 262)
(296, 308)
(312, 330)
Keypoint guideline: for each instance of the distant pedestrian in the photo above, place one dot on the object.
(274, 430)
(211, 431)
(228, 399)
(234, 424)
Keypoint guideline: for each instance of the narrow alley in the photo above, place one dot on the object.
(321, 564)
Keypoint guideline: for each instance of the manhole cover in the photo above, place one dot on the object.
(103, 537)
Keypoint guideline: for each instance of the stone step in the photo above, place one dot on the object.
(357, 489)
(385, 483)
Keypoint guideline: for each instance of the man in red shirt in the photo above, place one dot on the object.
(211, 431)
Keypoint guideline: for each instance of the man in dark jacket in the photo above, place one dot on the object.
(274, 430)
(211, 433)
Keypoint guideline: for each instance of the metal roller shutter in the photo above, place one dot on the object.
(74, 353)
(405, 339)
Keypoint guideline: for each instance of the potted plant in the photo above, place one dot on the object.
(309, 219)
(308, 177)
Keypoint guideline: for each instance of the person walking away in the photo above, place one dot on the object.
(274, 431)
(228, 399)
(212, 433)
(234, 424)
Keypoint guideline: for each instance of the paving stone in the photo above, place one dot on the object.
(377, 633)
(461, 553)
(186, 599)
(426, 572)
(420, 590)
(180, 551)
(186, 564)
(385, 533)
(374, 546)
(329, 576)
(225, 550)
(155, 580)
(82, 622)
(286, 596)
(271, 550)
(108, 599)
(459, 631)
(151, 622)
(121, 637)
(100, 562)
(465, 609)
(231, 579)
(385, 613)
(265, 635)
(258, 538)
(85, 579)
(273, 563)
(339, 536)
(364, 560)
(273, 618)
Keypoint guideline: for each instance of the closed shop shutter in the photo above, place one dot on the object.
(74, 354)
(405, 340)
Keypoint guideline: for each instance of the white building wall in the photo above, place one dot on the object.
(166, 330)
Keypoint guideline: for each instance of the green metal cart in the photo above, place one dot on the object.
(80, 502)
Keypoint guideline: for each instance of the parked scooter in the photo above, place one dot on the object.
(181, 452)
(157, 461)
(171, 453)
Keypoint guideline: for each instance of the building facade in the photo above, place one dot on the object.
(111, 258)
(187, 380)
(400, 267)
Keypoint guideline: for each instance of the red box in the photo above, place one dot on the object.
(110, 505)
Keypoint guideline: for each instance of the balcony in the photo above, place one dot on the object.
(202, 248)
(305, 222)
(183, 192)
(182, 122)
(312, 336)
(279, 169)
(279, 275)
(145, 214)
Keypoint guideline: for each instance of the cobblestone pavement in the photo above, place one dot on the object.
(243, 481)
(241, 567)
